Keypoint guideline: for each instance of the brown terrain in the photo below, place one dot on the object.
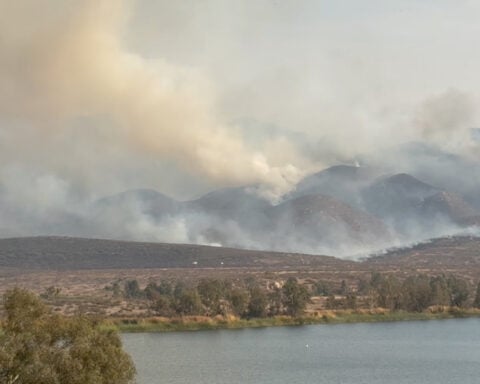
(84, 269)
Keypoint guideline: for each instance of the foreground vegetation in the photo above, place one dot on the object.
(214, 304)
(40, 347)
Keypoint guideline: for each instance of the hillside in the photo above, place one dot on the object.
(67, 253)
(450, 205)
(85, 270)
(450, 253)
(314, 219)
(396, 196)
(343, 182)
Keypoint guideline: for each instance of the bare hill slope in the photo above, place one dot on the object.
(68, 253)
(451, 253)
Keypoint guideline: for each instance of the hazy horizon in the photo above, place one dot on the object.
(188, 97)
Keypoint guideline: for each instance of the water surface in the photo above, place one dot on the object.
(424, 352)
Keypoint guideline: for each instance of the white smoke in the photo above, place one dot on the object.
(102, 96)
(62, 62)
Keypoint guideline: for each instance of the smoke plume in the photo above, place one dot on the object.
(98, 97)
(64, 62)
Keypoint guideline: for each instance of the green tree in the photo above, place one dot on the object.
(179, 289)
(257, 305)
(151, 291)
(343, 288)
(459, 291)
(375, 279)
(132, 289)
(295, 297)
(322, 288)
(163, 305)
(440, 291)
(40, 347)
(238, 301)
(188, 303)
(211, 292)
(476, 301)
(389, 293)
(363, 286)
(165, 288)
(416, 293)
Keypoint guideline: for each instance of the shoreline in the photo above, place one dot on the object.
(201, 323)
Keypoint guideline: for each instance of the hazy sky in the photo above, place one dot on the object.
(185, 96)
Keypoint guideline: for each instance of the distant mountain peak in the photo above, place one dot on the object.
(347, 171)
(407, 181)
(328, 216)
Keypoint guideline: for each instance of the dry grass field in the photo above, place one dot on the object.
(84, 269)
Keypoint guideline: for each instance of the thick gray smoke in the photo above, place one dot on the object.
(99, 97)
(65, 62)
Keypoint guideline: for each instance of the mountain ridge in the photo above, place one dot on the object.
(60, 253)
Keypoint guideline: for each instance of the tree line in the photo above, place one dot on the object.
(212, 297)
(415, 293)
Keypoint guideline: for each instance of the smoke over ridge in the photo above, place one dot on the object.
(70, 65)
(103, 96)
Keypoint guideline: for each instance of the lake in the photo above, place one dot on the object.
(424, 352)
